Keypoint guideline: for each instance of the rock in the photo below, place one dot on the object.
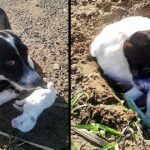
(56, 66)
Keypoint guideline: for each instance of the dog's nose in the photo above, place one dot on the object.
(37, 82)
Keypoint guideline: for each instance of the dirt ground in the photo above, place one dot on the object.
(43, 27)
(88, 18)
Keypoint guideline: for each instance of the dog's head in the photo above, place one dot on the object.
(14, 65)
(137, 52)
(24, 122)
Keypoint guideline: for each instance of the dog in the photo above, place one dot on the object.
(17, 71)
(32, 107)
(122, 50)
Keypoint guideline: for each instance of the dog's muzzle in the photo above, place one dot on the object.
(142, 85)
(30, 79)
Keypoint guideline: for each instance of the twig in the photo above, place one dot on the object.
(28, 28)
(113, 107)
(78, 107)
(91, 136)
(33, 144)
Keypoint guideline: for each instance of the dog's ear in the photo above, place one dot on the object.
(130, 51)
(140, 39)
(21, 47)
(128, 45)
(4, 21)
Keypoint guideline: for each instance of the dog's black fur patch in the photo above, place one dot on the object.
(137, 52)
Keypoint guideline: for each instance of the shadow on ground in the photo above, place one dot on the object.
(50, 130)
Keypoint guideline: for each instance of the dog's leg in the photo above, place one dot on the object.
(20, 108)
(7, 95)
(19, 104)
(133, 94)
(30, 61)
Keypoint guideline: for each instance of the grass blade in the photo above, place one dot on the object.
(97, 127)
(88, 127)
(145, 121)
(109, 146)
(78, 107)
(77, 97)
(116, 97)
(114, 107)
(116, 146)
(73, 147)
(108, 129)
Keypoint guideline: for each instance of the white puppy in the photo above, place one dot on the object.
(122, 50)
(32, 107)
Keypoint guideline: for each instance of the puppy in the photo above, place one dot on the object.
(32, 107)
(16, 66)
(122, 50)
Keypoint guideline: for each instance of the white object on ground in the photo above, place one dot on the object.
(32, 107)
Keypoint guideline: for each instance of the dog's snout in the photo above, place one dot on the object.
(31, 79)
(34, 79)
(37, 82)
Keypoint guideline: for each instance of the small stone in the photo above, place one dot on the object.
(65, 10)
(84, 2)
(56, 66)
(37, 3)
(44, 58)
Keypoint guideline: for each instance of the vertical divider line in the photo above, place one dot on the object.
(69, 73)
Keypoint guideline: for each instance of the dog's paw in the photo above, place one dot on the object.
(20, 102)
(20, 108)
(133, 94)
(129, 96)
(13, 93)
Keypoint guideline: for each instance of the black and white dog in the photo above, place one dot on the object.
(122, 50)
(16, 67)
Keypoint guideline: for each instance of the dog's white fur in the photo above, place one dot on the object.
(32, 107)
(107, 47)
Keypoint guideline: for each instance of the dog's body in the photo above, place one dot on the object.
(122, 50)
(16, 67)
(32, 107)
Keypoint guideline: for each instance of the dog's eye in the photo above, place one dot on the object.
(10, 63)
(146, 69)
